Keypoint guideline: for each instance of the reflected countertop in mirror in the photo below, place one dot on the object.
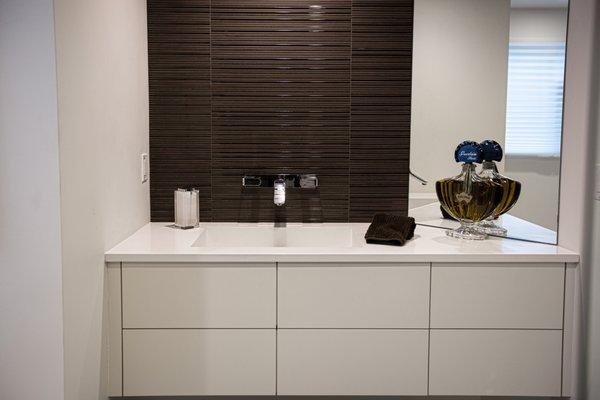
(519, 229)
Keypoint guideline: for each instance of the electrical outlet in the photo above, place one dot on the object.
(145, 167)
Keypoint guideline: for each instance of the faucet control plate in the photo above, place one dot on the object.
(302, 181)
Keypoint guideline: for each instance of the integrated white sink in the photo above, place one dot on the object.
(297, 235)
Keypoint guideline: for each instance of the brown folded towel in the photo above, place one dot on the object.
(390, 229)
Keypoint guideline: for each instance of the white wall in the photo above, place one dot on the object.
(31, 341)
(103, 122)
(538, 25)
(460, 64)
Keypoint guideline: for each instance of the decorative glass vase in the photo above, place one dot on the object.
(468, 197)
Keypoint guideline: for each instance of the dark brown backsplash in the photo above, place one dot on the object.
(280, 86)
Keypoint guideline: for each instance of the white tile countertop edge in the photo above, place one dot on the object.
(157, 242)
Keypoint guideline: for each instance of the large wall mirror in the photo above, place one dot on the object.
(490, 69)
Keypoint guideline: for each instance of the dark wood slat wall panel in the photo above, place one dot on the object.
(280, 86)
(180, 109)
(381, 95)
(281, 89)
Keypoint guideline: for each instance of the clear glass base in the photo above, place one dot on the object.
(491, 228)
(466, 231)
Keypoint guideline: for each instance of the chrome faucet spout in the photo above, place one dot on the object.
(279, 192)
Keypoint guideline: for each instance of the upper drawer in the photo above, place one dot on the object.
(353, 296)
(497, 296)
(199, 295)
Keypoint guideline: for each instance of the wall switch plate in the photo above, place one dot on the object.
(145, 167)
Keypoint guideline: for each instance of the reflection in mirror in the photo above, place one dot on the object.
(490, 70)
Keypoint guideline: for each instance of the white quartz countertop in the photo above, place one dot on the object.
(158, 242)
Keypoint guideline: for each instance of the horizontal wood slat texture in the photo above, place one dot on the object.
(180, 102)
(381, 90)
(280, 86)
(283, 66)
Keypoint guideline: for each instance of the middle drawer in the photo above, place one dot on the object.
(353, 296)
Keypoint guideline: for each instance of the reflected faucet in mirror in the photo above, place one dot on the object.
(418, 178)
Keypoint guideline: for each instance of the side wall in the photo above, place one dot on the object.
(575, 230)
(593, 279)
(103, 120)
(31, 323)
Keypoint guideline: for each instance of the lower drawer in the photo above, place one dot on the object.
(351, 362)
(495, 362)
(172, 362)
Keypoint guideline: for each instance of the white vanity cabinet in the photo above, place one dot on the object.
(337, 328)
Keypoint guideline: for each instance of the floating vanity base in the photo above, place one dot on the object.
(347, 329)
(235, 310)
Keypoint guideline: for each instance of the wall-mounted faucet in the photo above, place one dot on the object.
(280, 183)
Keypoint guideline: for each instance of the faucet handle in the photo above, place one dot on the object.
(252, 181)
(305, 181)
(309, 181)
(280, 182)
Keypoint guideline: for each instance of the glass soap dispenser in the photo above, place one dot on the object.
(468, 197)
(492, 153)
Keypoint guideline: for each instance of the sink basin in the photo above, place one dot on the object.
(305, 235)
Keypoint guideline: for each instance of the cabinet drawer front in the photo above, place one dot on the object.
(495, 363)
(198, 296)
(353, 296)
(171, 362)
(497, 296)
(351, 362)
